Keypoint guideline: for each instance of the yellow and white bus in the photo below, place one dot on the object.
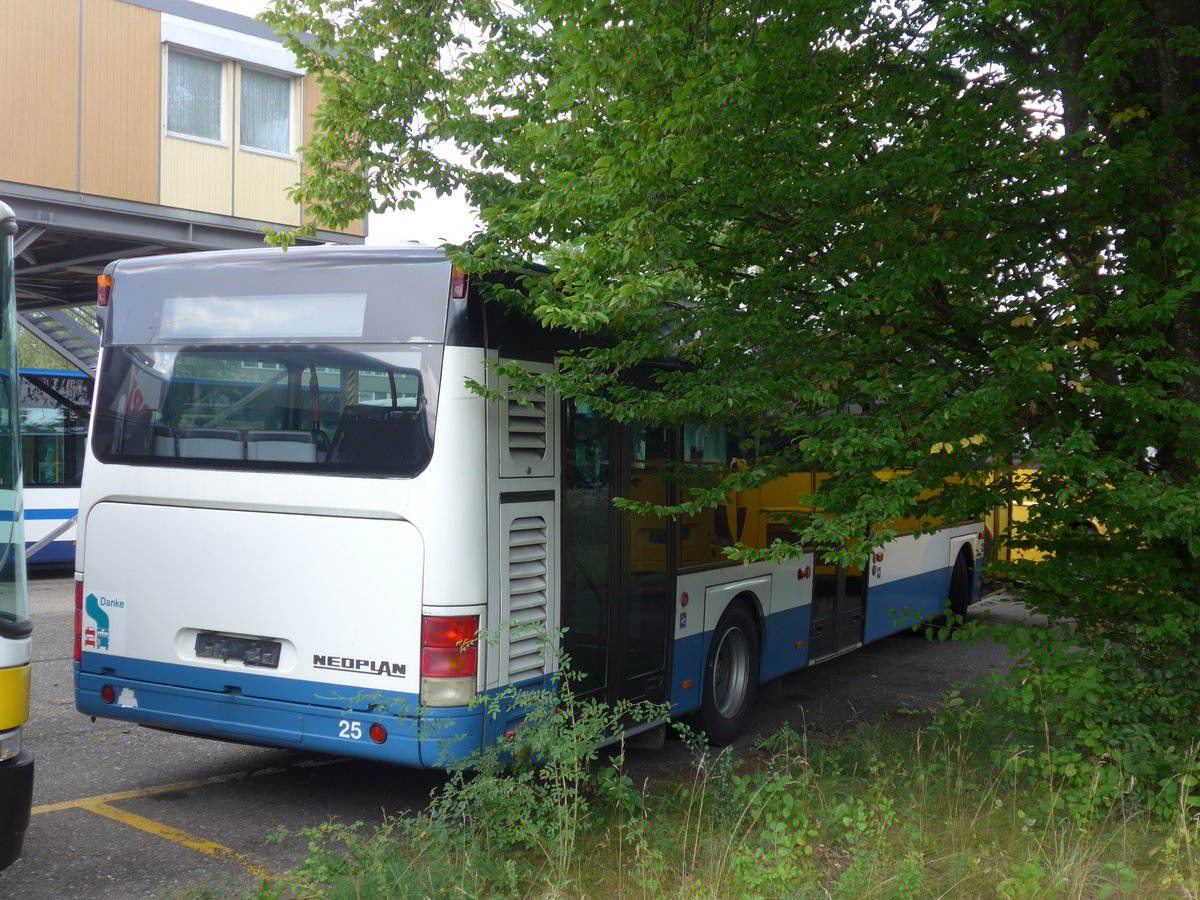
(16, 763)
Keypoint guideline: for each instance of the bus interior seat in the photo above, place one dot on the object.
(137, 432)
(367, 434)
(211, 443)
(285, 418)
(281, 446)
(162, 441)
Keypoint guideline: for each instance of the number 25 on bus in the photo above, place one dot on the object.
(296, 517)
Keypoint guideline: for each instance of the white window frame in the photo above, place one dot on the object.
(290, 80)
(223, 91)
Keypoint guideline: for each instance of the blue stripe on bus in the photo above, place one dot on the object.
(60, 373)
(247, 682)
(32, 514)
(687, 667)
(898, 605)
(55, 552)
(784, 631)
(278, 711)
(6, 515)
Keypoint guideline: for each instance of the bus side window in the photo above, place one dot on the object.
(703, 536)
(368, 434)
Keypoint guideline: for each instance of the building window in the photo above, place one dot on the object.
(266, 106)
(194, 95)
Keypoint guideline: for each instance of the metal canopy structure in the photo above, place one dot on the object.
(66, 239)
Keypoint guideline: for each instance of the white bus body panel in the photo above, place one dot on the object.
(201, 570)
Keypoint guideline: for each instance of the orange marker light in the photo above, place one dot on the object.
(458, 284)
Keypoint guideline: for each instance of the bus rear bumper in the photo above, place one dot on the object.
(423, 739)
(16, 797)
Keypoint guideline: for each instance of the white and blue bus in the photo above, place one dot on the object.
(16, 762)
(297, 515)
(55, 405)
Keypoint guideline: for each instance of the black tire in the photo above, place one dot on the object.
(730, 677)
(960, 587)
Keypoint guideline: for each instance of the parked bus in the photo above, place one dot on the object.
(54, 416)
(16, 763)
(297, 516)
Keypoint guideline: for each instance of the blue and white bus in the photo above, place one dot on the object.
(16, 762)
(55, 405)
(297, 515)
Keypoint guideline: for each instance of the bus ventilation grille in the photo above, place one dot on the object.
(527, 427)
(527, 581)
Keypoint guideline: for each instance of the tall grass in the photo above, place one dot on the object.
(867, 814)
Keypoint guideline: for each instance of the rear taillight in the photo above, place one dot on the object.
(449, 659)
(78, 621)
(458, 284)
(103, 289)
(448, 646)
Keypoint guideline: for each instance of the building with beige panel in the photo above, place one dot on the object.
(143, 126)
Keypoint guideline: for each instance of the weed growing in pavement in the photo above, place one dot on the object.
(867, 813)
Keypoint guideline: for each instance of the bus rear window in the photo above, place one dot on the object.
(279, 317)
(320, 409)
(276, 298)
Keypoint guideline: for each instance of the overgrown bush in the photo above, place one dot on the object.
(866, 813)
(1105, 726)
(1007, 790)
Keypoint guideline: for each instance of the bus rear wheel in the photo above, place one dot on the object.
(730, 677)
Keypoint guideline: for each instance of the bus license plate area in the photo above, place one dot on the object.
(252, 652)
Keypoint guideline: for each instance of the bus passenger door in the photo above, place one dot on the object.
(616, 598)
(646, 564)
(839, 596)
(586, 546)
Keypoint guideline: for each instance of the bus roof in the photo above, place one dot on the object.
(274, 255)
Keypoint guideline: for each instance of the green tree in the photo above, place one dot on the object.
(946, 236)
(34, 354)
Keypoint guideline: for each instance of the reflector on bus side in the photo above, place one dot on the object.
(78, 621)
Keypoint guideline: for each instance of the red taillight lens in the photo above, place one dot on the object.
(448, 631)
(448, 663)
(108, 693)
(103, 289)
(378, 733)
(78, 621)
(448, 646)
(458, 284)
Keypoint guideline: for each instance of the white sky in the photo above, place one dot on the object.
(434, 221)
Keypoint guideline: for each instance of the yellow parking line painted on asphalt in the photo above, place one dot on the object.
(134, 794)
(179, 837)
(100, 806)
